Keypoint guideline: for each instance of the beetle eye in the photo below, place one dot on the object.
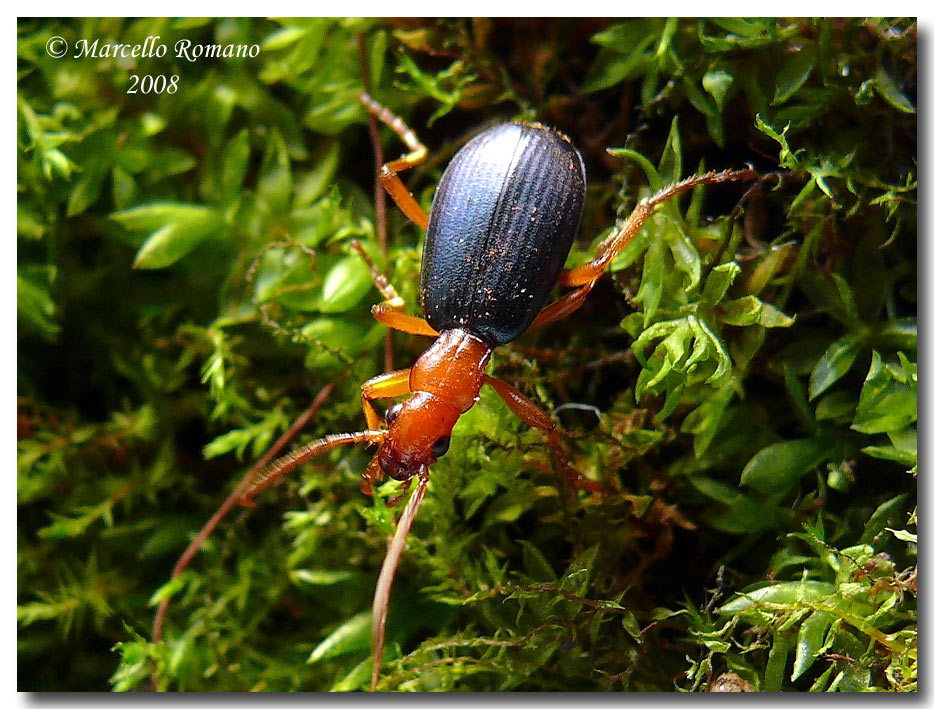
(440, 447)
(393, 413)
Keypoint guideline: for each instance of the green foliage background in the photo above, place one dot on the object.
(752, 359)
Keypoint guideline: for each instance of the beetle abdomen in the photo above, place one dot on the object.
(502, 222)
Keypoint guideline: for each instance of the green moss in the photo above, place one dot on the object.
(186, 285)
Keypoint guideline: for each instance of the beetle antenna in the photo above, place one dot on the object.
(388, 572)
(245, 483)
(281, 467)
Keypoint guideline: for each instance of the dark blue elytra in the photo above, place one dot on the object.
(501, 225)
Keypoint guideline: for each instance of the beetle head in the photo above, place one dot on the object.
(419, 434)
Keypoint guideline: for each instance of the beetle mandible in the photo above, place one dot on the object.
(500, 228)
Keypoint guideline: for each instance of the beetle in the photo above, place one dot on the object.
(502, 222)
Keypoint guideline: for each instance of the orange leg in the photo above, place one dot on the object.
(532, 414)
(388, 175)
(390, 317)
(616, 242)
(389, 312)
(583, 278)
(564, 306)
(384, 386)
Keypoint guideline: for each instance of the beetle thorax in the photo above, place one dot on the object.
(452, 369)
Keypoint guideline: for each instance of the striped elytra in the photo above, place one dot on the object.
(501, 225)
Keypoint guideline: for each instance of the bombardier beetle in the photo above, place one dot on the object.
(499, 230)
